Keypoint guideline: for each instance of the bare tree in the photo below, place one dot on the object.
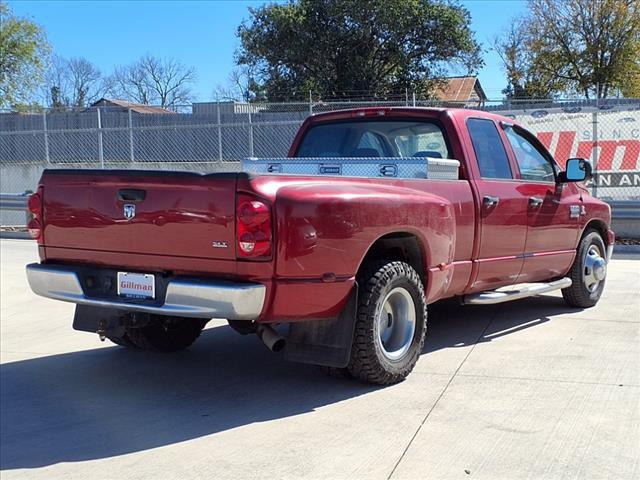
(56, 88)
(86, 82)
(130, 82)
(75, 82)
(154, 81)
(524, 80)
(240, 85)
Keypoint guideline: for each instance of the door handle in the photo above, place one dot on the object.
(131, 194)
(490, 201)
(535, 202)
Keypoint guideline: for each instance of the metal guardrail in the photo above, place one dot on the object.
(14, 201)
(625, 210)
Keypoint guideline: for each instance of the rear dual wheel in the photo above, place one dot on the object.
(391, 323)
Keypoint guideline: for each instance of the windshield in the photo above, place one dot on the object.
(379, 138)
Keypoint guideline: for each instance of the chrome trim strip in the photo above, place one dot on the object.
(493, 296)
(198, 299)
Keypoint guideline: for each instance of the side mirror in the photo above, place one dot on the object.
(578, 170)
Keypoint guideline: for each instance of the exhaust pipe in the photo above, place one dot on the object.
(272, 339)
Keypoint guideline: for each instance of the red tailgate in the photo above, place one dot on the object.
(175, 214)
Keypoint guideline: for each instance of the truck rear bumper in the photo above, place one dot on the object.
(184, 298)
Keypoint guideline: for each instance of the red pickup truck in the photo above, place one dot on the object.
(333, 266)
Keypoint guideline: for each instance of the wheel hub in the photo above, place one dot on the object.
(595, 268)
(396, 323)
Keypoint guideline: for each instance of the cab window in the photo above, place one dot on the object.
(370, 145)
(533, 165)
(375, 138)
(490, 152)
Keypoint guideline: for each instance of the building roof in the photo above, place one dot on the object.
(134, 107)
(460, 89)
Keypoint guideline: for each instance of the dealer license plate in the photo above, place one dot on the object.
(136, 285)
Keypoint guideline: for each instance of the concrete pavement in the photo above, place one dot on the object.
(530, 389)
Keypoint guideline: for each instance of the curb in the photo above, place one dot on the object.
(626, 249)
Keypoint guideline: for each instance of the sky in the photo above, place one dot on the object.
(202, 33)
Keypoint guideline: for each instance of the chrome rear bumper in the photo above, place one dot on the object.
(184, 298)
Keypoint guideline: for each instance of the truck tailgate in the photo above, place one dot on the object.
(146, 212)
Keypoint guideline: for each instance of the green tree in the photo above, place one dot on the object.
(23, 56)
(354, 47)
(589, 47)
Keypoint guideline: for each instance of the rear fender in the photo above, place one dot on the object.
(327, 228)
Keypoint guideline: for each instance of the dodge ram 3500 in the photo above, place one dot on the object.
(331, 254)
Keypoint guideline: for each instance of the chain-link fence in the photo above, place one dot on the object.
(215, 136)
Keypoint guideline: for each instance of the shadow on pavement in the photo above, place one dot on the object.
(452, 325)
(113, 401)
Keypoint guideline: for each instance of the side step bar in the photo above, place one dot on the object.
(493, 296)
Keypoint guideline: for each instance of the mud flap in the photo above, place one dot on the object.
(324, 342)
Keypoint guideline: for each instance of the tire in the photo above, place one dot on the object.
(391, 323)
(123, 341)
(587, 275)
(167, 334)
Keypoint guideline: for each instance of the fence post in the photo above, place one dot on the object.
(100, 152)
(46, 137)
(219, 133)
(131, 152)
(414, 98)
(310, 103)
(594, 152)
(250, 133)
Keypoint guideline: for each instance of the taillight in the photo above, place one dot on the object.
(34, 205)
(253, 227)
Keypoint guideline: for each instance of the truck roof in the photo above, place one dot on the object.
(428, 112)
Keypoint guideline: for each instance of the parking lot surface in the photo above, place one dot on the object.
(529, 389)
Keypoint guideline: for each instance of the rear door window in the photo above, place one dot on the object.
(490, 152)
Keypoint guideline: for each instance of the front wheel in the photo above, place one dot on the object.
(391, 323)
(588, 272)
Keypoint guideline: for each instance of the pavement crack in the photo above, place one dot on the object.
(415, 434)
(550, 380)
